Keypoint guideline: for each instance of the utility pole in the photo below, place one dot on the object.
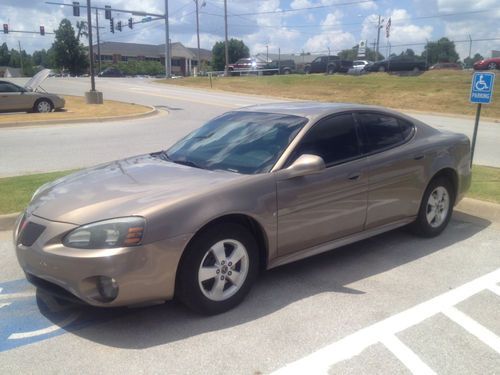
(470, 45)
(92, 96)
(379, 27)
(21, 57)
(98, 42)
(168, 71)
(198, 36)
(226, 46)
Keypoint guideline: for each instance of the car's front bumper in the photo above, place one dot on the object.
(142, 274)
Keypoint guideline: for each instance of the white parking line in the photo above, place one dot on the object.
(320, 361)
(473, 327)
(406, 356)
(495, 289)
(4, 304)
(16, 295)
(44, 331)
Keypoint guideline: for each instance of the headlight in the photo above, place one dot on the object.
(120, 232)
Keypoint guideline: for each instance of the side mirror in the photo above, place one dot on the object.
(305, 165)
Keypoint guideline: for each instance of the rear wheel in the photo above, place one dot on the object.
(381, 69)
(307, 70)
(218, 269)
(435, 209)
(331, 69)
(492, 66)
(286, 71)
(43, 106)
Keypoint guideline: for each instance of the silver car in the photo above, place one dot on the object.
(14, 98)
(250, 190)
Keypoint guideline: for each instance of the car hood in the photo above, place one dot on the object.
(36, 80)
(135, 186)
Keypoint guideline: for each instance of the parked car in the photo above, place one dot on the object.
(111, 72)
(398, 63)
(446, 65)
(252, 189)
(283, 67)
(328, 64)
(360, 66)
(243, 65)
(14, 98)
(491, 64)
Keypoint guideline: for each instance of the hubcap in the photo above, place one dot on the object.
(43, 107)
(223, 270)
(438, 205)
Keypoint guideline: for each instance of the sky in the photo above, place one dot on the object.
(288, 26)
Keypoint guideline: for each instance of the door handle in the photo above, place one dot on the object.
(418, 157)
(354, 176)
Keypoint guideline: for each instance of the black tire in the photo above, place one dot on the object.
(307, 70)
(43, 106)
(492, 66)
(422, 226)
(381, 69)
(286, 71)
(331, 69)
(189, 288)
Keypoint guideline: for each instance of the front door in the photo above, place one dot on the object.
(319, 208)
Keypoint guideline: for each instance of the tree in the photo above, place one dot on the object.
(83, 29)
(352, 54)
(68, 52)
(408, 52)
(468, 61)
(4, 55)
(236, 50)
(441, 51)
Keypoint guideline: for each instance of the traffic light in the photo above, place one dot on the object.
(130, 23)
(119, 26)
(76, 9)
(107, 12)
(42, 30)
(112, 25)
(5, 28)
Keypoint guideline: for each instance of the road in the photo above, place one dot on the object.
(394, 303)
(49, 148)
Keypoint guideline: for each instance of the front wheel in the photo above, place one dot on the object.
(492, 66)
(307, 70)
(218, 269)
(435, 209)
(43, 106)
(381, 69)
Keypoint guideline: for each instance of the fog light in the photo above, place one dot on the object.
(107, 288)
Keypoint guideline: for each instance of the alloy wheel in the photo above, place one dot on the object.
(438, 205)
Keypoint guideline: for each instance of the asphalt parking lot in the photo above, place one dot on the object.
(391, 304)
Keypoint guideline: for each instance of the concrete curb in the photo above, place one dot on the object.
(474, 207)
(152, 112)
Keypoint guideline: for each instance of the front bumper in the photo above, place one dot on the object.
(143, 273)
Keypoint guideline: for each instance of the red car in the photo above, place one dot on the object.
(491, 64)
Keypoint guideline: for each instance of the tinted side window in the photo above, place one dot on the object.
(334, 139)
(381, 131)
(406, 128)
(6, 87)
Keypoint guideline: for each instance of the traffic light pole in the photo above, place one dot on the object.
(168, 70)
(92, 96)
(98, 41)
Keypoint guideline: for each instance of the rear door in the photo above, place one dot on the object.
(395, 168)
(319, 208)
(13, 98)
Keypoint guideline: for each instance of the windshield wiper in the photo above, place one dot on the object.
(188, 163)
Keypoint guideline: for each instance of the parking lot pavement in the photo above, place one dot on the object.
(390, 304)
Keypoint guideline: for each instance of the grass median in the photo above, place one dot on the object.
(16, 192)
(77, 109)
(433, 91)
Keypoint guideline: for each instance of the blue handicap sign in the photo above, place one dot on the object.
(28, 316)
(482, 88)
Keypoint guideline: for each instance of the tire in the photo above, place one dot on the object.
(416, 69)
(43, 106)
(492, 66)
(209, 281)
(307, 70)
(381, 69)
(286, 71)
(435, 209)
(331, 69)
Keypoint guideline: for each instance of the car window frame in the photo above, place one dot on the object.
(364, 136)
(290, 159)
(19, 89)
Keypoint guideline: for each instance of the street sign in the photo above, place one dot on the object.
(362, 48)
(481, 91)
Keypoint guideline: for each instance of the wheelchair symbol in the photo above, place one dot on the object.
(481, 85)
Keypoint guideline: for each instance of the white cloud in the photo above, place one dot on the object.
(331, 36)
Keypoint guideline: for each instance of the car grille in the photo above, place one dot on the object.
(30, 233)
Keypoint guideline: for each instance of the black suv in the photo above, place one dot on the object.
(398, 64)
(328, 64)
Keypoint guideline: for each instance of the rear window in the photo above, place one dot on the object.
(382, 131)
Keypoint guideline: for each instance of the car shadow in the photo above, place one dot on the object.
(331, 272)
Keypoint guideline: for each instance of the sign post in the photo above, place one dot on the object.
(481, 92)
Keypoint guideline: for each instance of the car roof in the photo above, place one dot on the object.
(314, 110)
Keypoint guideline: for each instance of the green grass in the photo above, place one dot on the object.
(15, 192)
(433, 91)
(485, 184)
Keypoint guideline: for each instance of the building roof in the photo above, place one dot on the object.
(147, 50)
(205, 54)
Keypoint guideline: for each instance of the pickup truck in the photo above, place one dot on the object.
(283, 66)
(328, 64)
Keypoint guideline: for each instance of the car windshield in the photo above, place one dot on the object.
(241, 142)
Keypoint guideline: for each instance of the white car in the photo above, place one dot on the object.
(358, 66)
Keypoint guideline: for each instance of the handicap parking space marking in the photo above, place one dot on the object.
(27, 317)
